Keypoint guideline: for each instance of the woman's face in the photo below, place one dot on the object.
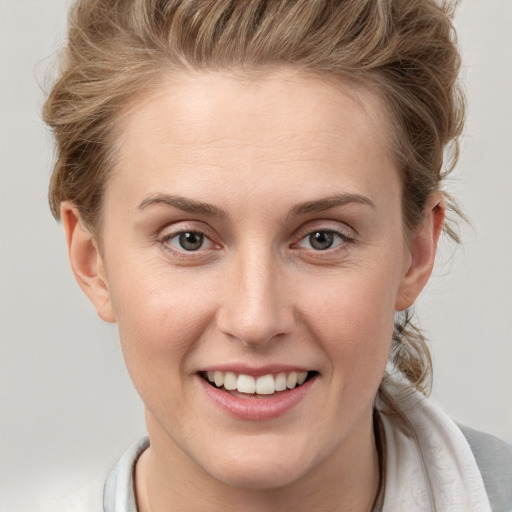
(252, 232)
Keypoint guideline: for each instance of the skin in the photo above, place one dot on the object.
(257, 292)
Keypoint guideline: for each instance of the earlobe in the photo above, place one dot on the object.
(86, 261)
(422, 248)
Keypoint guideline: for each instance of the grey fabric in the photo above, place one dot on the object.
(494, 459)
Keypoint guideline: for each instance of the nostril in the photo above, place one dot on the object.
(255, 316)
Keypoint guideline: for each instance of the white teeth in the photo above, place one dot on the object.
(246, 384)
(230, 381)
(301, 377)
(281, 382)
(264, 385)
(291, 381)
(219, 379)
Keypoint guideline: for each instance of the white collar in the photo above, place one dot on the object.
(429, 465)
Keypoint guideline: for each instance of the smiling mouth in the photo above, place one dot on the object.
(270, 384)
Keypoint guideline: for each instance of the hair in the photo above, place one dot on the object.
(405, 50)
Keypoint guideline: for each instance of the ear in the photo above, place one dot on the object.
(86, 261)
(422, 249)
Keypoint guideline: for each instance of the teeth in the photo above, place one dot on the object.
(264, 385)
(301, 377)
(230, 381)
(281, 382)
(219, 379)
(291, 381)
(246, 384)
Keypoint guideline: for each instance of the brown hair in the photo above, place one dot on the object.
(120, 49)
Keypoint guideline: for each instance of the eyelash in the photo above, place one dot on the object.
(166, 239)
(336, 250)
(344, 241)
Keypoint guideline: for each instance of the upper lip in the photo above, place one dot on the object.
(256, 371)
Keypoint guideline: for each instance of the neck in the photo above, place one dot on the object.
(166, 480)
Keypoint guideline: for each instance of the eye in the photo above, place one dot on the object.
(323, 239)
(188, 240)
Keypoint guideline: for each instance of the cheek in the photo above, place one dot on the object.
(354, 319)
(160, 318)
(159, 328)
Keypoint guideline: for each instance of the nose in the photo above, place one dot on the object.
(256, 306)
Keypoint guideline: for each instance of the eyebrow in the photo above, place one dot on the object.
(327, 203)
(185, 204)
(198, 207)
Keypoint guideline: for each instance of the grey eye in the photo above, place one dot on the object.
(321, 240)
(190, 240)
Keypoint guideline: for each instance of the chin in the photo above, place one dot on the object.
(267, 475)
(264, 466)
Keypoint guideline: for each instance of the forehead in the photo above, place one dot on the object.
(203, 126)
(277, 100)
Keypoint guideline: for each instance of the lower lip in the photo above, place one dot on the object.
(258, 408)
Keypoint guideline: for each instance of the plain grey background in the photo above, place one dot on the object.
(67, 406)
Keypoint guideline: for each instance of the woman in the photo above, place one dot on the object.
(252, 191)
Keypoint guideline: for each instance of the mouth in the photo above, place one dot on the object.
(249, 386)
